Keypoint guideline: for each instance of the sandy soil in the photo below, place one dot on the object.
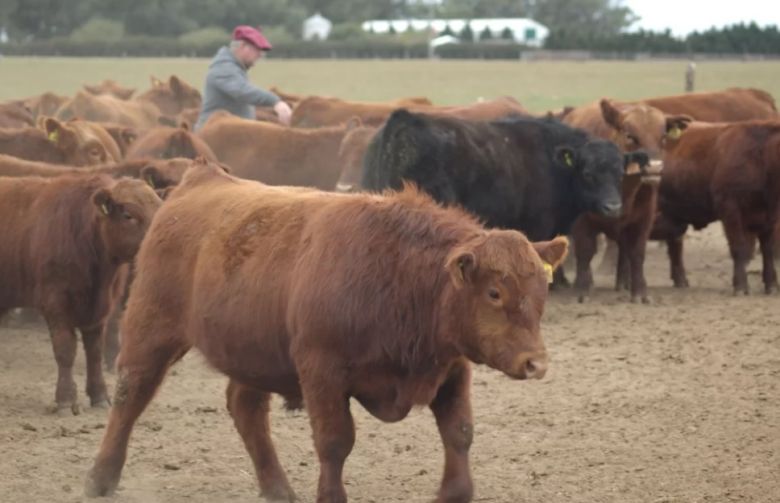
(672, 402)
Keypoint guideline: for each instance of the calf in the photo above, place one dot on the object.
(726, 172)
(64, 240)
(325, 297)
(533, 175)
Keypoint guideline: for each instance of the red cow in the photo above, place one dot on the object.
(322, 297)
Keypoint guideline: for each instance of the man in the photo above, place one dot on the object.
(227, 85)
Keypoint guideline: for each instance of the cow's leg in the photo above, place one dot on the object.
(585, 247)
(766, 241)
(63, 339)
(623, 274)
(635, 239)
(740, 246)
(674, 247)
(141, 366)
(609, 259)
(249, 408)
(111, 339)
(333, 430)
(452, 409)
(92, 339)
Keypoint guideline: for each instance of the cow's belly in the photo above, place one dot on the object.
(389, 397)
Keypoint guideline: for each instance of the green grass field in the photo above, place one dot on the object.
(540, 86)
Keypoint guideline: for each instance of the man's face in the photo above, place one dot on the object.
(249, 54)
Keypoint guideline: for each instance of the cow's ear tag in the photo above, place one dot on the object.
(548, 268)
(567, 159)
(104, 208)
(54, 136)
(674, 133)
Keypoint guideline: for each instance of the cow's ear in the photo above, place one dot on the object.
(676, 124)
(104, 201)
(57, 133)
(461, 265)
(152, 176)
(611, 114)
(124, 94)
(175, 84)
(91, 89)
(552, 252)
(567, 156)
(155, 81)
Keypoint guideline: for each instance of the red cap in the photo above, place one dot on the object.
(253, 36)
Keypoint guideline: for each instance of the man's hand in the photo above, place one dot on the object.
(283, 112)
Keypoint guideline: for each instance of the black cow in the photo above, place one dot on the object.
(533, 175)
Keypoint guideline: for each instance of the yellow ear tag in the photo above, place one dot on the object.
(548, 268)
(567, 159)
(674, 133)
(54, 136)
(150, 181)
(104, 209)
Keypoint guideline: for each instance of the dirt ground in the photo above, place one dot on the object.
(672, 402)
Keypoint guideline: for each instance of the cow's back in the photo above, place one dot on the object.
(731, 105)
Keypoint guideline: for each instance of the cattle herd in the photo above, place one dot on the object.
(368, 251)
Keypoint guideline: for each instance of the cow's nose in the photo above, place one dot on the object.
(611, 209)
(535, 368)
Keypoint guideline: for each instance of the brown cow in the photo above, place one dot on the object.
(124, 136)
(315, 111)
(734, 104)
(726, 172)
(631, 127)
(275, 154)
(322, 297)
(171, 97)
(64, 239)
(137, 113)
(167, 143)
(630, 230)
(78, 143)
(14, 114)
(110, 87)
(351, 153)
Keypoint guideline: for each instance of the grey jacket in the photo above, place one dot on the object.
(228, 88)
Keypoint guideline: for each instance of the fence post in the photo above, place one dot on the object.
(690, 77)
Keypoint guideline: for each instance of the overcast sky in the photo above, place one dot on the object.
(684, 16)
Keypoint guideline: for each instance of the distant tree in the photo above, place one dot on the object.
(447, 31)
(507, 34)
(466, 34)
(486, 34)
(392, 30)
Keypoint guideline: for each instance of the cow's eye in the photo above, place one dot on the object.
(494, 294)
(632, 139)
(126, 215)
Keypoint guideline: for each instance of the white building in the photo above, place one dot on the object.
(317, 27)
(524, 31)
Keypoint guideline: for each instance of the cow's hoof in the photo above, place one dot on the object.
(770, 289)
(95, 487)
(103, 403)
(279, 495)
(583, 299)
(65, 409)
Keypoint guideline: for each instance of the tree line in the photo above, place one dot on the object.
(595, 25)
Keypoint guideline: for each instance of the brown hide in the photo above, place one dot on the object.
(727, 172)
(171, 97)
(314, 111)
(110, 87)
(168, 143)
(14, 114)
(275, 154)
(77, 143)
(135, 113)
(734, 104)
(64, 240)
(324, 297)
(351, 153)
